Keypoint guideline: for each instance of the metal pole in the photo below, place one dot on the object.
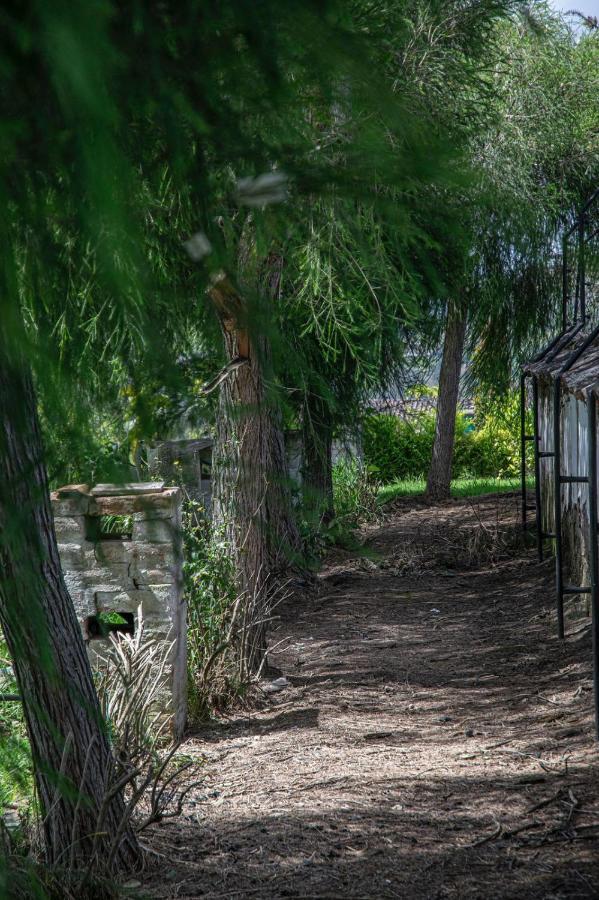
(590, 201)
(523, 448)
(568, 338)
(557, 456)
(577, 353)
(594, 551)
(536, 446)
(549, 347)
(581, 263)
(564, 283)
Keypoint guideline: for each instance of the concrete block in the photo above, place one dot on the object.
(77, 505)
(109, 552)
(133, 488)
(109, 578)
(114, 601)
(152, 556)
(73, 557)
(159, 506)
(160, 629)
(169, 597)
(155, 564)
(114, 506)
(152, 602)
(71, 490)
(157, 531)
(148, 505)
(83, 599)
(70, 529)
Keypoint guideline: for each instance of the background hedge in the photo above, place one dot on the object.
(487, 445)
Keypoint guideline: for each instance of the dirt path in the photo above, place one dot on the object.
(435, 740)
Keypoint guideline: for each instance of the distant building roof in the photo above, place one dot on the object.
(407, 407)
(189, 445)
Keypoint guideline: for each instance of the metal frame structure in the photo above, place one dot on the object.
(565, 337)
(594, 548)
(567, 334)
(559, 479)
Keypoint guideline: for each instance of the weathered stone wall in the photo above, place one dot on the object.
(138, 573)
(185, 462)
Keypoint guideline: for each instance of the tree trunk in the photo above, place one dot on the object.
(251, 497)
(439, 476)
(317, 468)
(72, 760)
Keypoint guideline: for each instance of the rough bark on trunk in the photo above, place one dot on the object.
(317, 469)
(71, 754)
(251, 497)
(439, 476)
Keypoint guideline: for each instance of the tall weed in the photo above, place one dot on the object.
(212, 600)
(355, 491)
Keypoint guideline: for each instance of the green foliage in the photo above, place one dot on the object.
(211, 593)
(86, 449)
(394, 448)
(125, 131)
(16, 781)
(492, 449)
(540, 158)
(316, 535)
(16, 789)
(355, 502)
(397, 449)
(354, 493)
(116, 525)
(106, 620)
(111, 618)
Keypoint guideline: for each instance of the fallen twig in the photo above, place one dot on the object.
(543, 803)
(485, 840)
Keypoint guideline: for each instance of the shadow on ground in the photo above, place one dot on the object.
(436, 739)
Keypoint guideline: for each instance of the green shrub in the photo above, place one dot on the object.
(497, 436)
(487, 446)
(355, 491)
(16, 775)
(355, 500)
(394, 448)
(211, 594)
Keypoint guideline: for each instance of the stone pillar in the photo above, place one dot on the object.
(121, 552)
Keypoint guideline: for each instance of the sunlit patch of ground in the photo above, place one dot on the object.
(460, 487)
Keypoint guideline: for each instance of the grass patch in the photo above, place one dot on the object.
(16, 775)
(461, 487)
